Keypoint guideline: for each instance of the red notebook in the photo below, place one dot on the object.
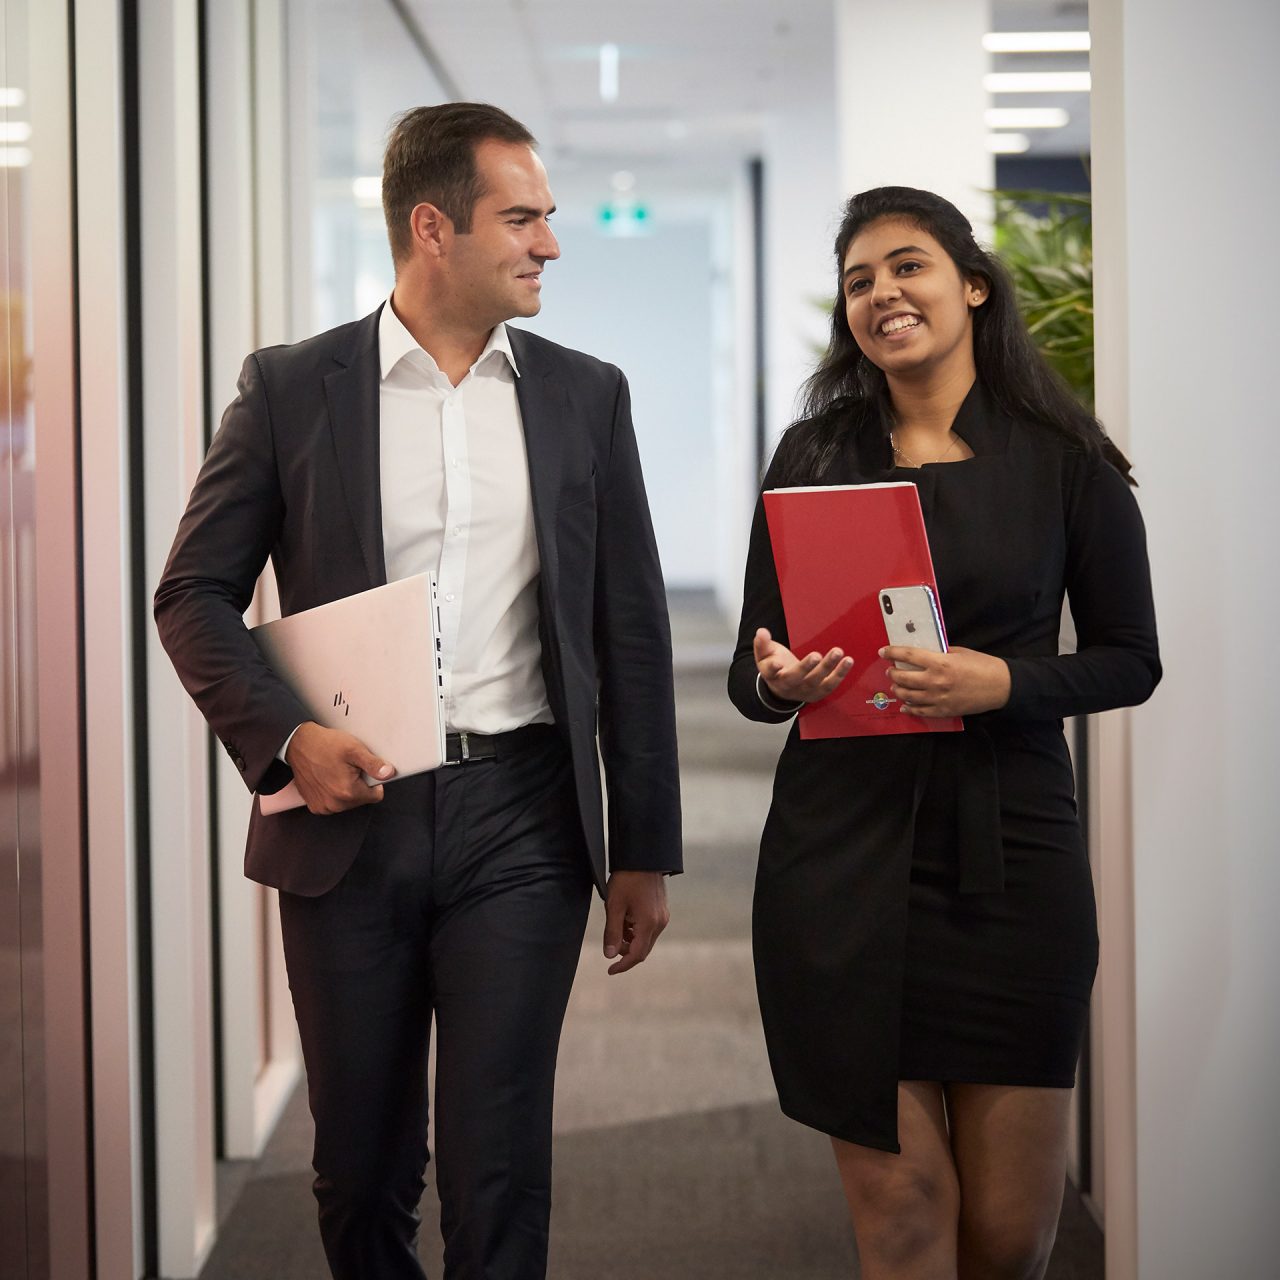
(835, 548)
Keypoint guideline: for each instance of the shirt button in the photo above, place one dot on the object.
(457, 529)
(449, 597)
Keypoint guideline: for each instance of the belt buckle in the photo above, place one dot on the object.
(464, 749)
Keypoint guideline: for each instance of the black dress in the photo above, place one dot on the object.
(923, 907)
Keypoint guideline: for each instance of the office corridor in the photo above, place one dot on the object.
(672, 1159)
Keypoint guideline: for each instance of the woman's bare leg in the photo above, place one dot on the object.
(1010, 1148)
(905, 1207)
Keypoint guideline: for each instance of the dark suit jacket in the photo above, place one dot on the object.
(293, 474)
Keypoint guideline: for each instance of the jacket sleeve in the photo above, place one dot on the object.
(232, 522)
(636, 693)
(761, 607)
(1108, 581)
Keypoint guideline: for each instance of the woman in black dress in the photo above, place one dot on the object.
(924, 926)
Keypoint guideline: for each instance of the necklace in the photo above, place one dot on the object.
(911, 462)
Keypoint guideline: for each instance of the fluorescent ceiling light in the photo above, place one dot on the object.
(1037, 82)
(15, 131)
(12, 98)
(609, 72)
(1026, 117)
(1007, 144)
(1036, 42)
(15, 157)
(367, 191)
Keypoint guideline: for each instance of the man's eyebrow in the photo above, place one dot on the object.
(897, 253)
(526, 211)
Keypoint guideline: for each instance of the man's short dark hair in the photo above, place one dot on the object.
(431, 158)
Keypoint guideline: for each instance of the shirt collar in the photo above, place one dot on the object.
(395, 342)
(979, 422)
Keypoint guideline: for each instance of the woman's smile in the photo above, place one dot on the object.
(899, 325)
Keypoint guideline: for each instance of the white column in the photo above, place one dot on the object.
(912, 101)
(108, 682)
(247, 309)
(282, 225)
(1184, 125)
(172, 397)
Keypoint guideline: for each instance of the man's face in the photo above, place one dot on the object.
(495, 269)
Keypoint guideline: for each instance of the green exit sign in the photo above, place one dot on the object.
(624, 218)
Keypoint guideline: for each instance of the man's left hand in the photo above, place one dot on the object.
(635, 912)
(962, 682)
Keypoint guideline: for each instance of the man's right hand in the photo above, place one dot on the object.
(329, 767)
(795, 679)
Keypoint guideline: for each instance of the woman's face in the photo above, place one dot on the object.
(909, 309)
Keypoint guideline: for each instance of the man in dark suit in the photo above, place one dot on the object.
(429, 436)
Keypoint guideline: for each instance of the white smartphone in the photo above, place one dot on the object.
(911, 617)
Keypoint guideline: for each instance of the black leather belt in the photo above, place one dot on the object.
(467, 747)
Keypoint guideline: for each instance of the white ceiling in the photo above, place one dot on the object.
(697, 77)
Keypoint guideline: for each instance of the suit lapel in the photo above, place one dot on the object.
(543, 407)
(352, 394)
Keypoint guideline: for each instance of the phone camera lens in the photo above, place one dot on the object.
(887, 603)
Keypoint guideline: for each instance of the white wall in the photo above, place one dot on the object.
(911, 100)
(1185, 181)
(644, 303)
(733, 309)
(802, 198)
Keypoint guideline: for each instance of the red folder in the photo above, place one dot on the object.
(835, 548)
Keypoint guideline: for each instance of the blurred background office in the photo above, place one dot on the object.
(186, 180)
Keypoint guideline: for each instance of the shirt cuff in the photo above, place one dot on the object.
(772, 703)
(281, 753)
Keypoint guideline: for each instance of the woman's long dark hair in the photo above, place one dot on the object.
(847, 392)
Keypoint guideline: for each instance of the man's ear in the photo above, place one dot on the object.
(430, 229)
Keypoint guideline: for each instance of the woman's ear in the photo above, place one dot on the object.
(977, 291)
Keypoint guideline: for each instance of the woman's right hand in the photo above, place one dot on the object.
(793, 679)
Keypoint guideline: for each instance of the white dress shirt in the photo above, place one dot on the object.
(456, 500)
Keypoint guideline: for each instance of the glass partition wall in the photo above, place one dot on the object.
(23, 1244)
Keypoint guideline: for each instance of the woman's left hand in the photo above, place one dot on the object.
(962, 682)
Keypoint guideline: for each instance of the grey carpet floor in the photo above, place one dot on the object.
(672, 1160)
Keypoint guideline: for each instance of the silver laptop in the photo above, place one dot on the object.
(368, 664)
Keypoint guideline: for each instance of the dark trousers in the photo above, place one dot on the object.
(467, 902)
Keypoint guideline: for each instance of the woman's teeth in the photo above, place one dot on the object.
(898, 323)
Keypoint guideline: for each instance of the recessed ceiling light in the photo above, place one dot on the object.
(623, 180)
(609, 72)
(15, 157)
(15, 131)
(1036, 42)
(1037, 82)
(12, 98)
(1026, 117)
(1007, 144)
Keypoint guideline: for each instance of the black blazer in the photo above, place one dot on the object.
(293, 474)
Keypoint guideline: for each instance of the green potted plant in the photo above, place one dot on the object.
(1050, 256)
